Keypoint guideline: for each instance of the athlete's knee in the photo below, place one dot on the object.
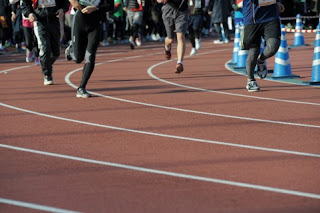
(90, 58)
(272, 46)
(78, 60)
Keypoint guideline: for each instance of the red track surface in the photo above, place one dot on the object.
(161, 152)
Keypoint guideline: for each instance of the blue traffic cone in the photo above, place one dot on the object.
(298, 37)
(315, 76)
(236, 44)
(223, 34)
(242, 56)
(282, 66)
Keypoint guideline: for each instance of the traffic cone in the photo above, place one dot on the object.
(315, 76)
(282, 66)
(236, 44)
(298, 37)
(242, 56)
(223, 32)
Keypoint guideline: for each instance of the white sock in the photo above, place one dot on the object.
(179, 62)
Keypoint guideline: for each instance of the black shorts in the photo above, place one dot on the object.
(251, 37)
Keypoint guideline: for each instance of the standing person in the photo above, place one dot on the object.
(86, 34)
(158, 30)
(220, 10)
(195, 24)
(16, 18)
(175, 17)
(32, 52)
(45, 16)
(238, 15)
(134, 10)
(261, 19)
(118, 20)
(5, 24)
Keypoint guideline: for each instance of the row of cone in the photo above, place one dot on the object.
(282, 66)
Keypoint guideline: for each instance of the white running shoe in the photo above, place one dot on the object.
(138, 42)
(218, 41)
(193, 51)
(252, 86)
(29, 56)
(36, 61)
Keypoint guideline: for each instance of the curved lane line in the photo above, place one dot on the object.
(220, 92)
(67, 80)
(34, 206)
(165, 135)
(167, 173)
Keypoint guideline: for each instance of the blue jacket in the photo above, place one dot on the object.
(253, 14)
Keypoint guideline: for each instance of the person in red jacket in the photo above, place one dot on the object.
(134, 10)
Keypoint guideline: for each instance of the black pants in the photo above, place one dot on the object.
(86, 34)
(195, 27)
(47, 32)
(31, 40)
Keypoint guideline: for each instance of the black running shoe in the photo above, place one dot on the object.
(262, 71)
(179, 68)
(82, 93)
(167, 54)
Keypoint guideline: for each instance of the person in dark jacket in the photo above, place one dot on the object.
(5, 23)
(45, 16)
(16, 18)
(220, 10)
(86, 34)
(196, 18)
(261, 19)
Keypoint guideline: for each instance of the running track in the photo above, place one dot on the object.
(150, 140)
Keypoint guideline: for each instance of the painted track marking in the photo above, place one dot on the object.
(34, 206)
(167, 173)
(165, 135)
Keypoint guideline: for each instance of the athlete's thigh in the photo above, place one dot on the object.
(251, 36)
(272, 29)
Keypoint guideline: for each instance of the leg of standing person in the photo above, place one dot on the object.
(29, 43)
(226, 32)
(192, 35)
(137, 22)
(217, 28)
(197, 30)
(130, 16)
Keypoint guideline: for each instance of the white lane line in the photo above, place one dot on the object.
(165, 135)
(220, 92)
(166, 173)
(99, 55)
(34, 206)
(67, 80)
(266, 79)
(16, 68)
